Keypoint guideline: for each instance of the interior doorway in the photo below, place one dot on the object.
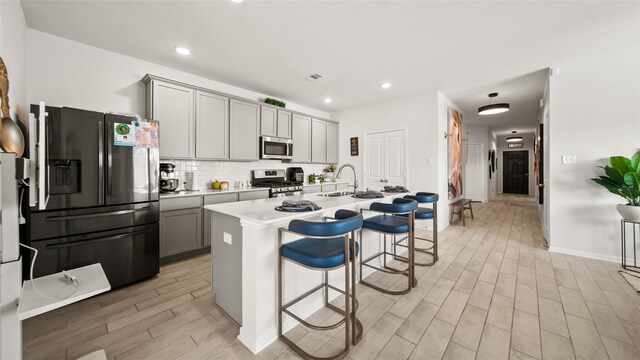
(515, 165)
(385, 160)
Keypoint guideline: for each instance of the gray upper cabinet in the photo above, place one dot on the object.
(245, 127)
(284, 124)
(197, 123)
(212, 126)
(301, 132)
(319, 141)
(269, 122)
(332, 142)
(173, 106)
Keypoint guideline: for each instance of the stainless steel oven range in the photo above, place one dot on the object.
(275, 181)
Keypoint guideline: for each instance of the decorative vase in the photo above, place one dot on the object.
(629, 212)
(328, 175)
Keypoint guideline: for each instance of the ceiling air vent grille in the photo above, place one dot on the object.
(313, 77)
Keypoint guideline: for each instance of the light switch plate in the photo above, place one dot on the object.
(227, 238)
(569, 159)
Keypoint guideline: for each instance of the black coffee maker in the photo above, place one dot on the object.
(295, 174)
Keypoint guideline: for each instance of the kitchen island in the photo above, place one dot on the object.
(244, 238)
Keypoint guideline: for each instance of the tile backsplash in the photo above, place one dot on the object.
(232, 171)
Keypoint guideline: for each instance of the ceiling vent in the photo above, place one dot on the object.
(313, 77)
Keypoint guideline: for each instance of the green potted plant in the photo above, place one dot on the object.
(312, 178)
(328, 171)
(622, 178)
(275, 102)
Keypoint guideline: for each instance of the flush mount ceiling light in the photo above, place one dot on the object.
(328, 100)
(385, 85)
(182, 50)
(514, 139)
(237, 1)
(491, 109)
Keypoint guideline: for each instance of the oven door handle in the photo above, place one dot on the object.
(94, 240)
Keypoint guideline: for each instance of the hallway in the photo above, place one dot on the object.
(494, 294)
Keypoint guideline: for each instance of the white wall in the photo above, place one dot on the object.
(595, 111)
(443, 157)
(418, 114)
(528, 144)
(13, 49)
(68, 73)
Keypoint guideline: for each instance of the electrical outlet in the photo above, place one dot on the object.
(227, 238)
(569, 159)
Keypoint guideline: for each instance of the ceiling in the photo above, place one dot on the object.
(418, 46)
(523, 95)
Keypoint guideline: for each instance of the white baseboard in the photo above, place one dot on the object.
(585, 254)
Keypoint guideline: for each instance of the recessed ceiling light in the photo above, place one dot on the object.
(237, 1)
(328, 100)
(182, 50)
(385, 85)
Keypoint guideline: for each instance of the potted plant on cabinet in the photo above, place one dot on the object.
(622, 178)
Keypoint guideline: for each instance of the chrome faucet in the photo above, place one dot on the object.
(355, 176)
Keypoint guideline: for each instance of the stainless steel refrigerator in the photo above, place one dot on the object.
(98, 199)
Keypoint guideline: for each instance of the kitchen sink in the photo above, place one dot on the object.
(336, 194)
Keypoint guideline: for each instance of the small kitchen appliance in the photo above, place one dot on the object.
(295, 174)
(276, 148)
(168, 181)
(276, 182)
(192, 181)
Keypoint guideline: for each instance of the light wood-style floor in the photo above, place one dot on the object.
(494, 294)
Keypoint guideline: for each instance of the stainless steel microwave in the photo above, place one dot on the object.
(276, 148)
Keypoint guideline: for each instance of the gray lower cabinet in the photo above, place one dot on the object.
(212, 126)
(301, 126)
(244, 130)
(254, 195)
(332, 142)
(310, 189)
(319, 141)
(326, 188)
(180, 231)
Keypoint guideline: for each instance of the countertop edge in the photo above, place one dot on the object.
(208, 192)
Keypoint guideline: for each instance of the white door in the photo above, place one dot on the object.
(474, 172)
(385, 159)
(394, 159)
(374, 161)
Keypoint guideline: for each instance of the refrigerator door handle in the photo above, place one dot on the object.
(43, 163)
(97, 215)
(94, 240)
(109, 170)
(100, 163)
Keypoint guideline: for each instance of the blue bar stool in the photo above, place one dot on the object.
(324, 246)
(424, 213)
(389, 223)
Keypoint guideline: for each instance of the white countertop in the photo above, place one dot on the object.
(326, 183)
(205, 192)
(263, 211)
